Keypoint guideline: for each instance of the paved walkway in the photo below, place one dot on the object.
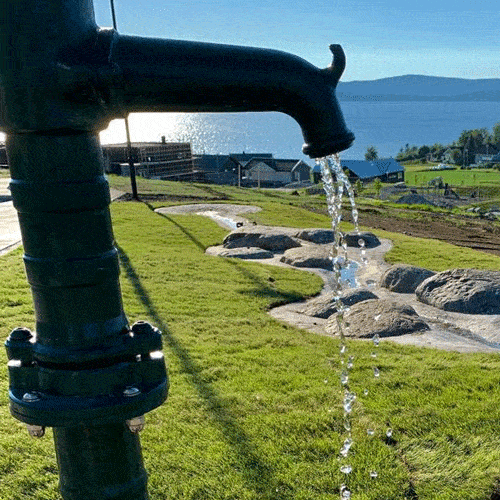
(10, 234)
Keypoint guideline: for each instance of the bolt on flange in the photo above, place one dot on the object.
(35, 431)
(136, 424)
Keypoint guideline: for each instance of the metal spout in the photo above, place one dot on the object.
(168, 75)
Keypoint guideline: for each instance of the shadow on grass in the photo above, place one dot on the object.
(190, 235)
(258, 475)
(263, 288)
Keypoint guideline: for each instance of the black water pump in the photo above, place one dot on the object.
(85, 372)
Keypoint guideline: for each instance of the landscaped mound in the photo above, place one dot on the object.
(402, 278)
(469, 291)
(414, 199)
(325, 305)
(382, 317)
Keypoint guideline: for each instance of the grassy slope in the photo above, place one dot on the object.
(254, 410)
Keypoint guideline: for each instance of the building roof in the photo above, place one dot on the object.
(367, 169)
(279, 165)
(211, 163)
(146, 144)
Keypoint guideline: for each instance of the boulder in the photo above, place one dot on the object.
(318, 236)
(382, 317)
(308, 256)
(414, 199)
(352, 239)
(469, 291)
(402, 278)
(246, 253)
(324, 305)
(266, 238)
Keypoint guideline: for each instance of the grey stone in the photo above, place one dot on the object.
(266, 238)
(324, 305)
(402, 278)
(318, 236)
(382, 317)
(352, 239)
(414, 199)
(469, 291)
(309, 256)
(246, 253)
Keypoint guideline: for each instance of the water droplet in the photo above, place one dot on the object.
(350, 362)
(388, 433)
(365, 392)
(361, 242)
(370, 432)
(346, 447)
(347, 425)
(344, 378)
(346, 469)
(376, 372)
(343, 349)
(376, 318)
(325, 381)
(345, 493)
(373, 354)
(376, 337)
(373, 474)
(349, 399)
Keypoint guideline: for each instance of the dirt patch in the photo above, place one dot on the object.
(463, 231)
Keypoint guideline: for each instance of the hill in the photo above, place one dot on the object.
(420, 88)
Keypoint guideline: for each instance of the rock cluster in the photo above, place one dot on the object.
(265, 238)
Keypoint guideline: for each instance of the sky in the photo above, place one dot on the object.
(381, 38)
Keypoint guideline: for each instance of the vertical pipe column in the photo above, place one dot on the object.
(61, 194)
(62, 197)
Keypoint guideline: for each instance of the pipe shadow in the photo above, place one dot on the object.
(263, 288)
(190, 235)
(257, 473)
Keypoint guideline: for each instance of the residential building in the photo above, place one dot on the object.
(251, 169)
(387, 170)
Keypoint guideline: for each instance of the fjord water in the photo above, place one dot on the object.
(386, 125)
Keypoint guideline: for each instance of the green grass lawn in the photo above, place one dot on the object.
(255, 407)
(460, 178)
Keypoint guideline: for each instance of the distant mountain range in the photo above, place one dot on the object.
(420, 88)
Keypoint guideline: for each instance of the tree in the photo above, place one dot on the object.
(371, 153)
(495, 136)
(423, 151)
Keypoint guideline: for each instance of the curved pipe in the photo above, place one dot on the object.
(171, 75)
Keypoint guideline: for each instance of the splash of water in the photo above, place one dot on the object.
(335, 183)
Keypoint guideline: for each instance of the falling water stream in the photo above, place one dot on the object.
(336, 183)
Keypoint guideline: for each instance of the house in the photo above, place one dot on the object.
(153, 160)
(273, 172)
(251, 169)
(216, 169)
(387, 170)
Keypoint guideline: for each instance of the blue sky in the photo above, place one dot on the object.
(381, 38)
